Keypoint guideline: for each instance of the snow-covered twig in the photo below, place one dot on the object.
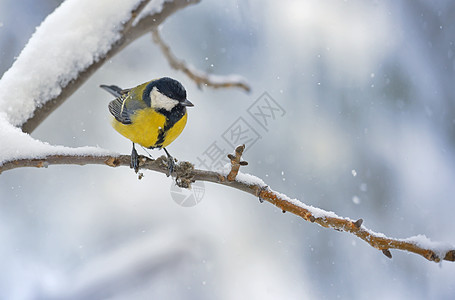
(187, 174)
(41, 80)
(199, 77)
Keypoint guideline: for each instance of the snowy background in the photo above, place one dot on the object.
(368, 132)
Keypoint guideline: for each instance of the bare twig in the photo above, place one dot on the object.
(186, 174)
(236, 163)
(129, 34)
(199, 77)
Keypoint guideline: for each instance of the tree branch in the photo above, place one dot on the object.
(186, 174)
(129, 34)
(201, 78)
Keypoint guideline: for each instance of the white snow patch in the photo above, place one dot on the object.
(19, 145)
(356, 199)
(249, 179)
(154, 7)
(439, 248)
(373, 233)
(243, 177)
(69, 40)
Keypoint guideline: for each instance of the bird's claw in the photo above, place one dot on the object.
(134, 164)
(170, 163)
(170, 166)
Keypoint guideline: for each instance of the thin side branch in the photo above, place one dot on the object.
(236, 162)
(199, 77)
(186, 174)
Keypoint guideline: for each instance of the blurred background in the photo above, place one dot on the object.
(366, 129)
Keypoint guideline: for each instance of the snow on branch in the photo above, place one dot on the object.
(186, 174)
(201, 78)
(68, 47)
(17, 145)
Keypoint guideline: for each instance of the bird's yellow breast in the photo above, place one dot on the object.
(145, 128)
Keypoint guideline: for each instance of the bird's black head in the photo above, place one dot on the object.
(171, 88)
(166, 94)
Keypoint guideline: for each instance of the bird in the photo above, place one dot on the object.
(152, 114)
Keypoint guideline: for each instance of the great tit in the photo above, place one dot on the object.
(152, 115)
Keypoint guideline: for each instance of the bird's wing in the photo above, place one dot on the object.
(118, 110)
(123, 107)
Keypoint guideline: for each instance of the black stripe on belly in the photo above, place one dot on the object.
(172, 117)
(161, 136)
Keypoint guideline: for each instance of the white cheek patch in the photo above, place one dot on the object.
(159, 100)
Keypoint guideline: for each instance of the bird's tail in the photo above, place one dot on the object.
(113, 90)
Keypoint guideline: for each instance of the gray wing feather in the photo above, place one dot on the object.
(120, 111)
(123, 107)
(125, 104)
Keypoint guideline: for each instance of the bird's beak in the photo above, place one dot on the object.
(186, 103)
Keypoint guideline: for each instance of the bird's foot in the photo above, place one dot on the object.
(170, 166)
(170, 163)
(134, 164)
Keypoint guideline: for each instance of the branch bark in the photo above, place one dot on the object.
(187, 174)
(236, 162)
